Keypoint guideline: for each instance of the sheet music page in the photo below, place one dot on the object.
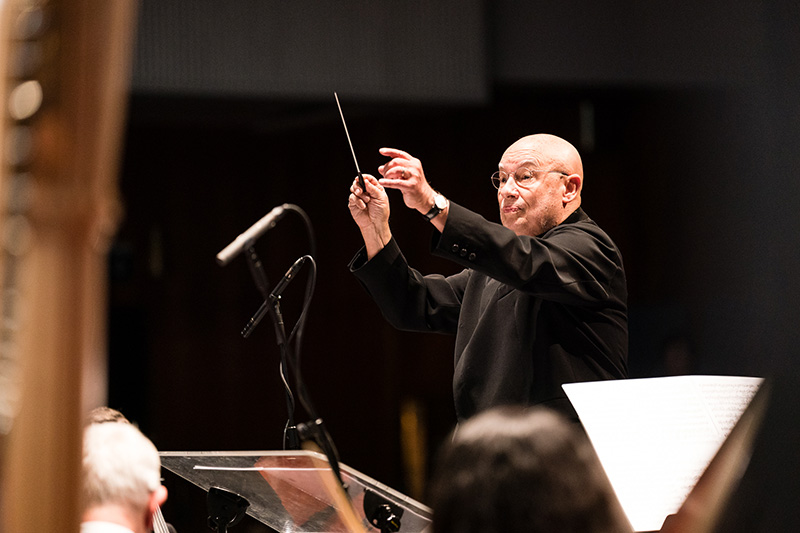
(655, 436)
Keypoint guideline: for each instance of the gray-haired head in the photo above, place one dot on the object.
(120, 466)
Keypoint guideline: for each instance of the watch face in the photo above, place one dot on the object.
(440, 201)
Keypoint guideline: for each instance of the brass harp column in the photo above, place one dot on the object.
(65, 68)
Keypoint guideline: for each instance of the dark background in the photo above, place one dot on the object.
(686, 116)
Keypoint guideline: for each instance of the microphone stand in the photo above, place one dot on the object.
(315, 429)
(272, 304)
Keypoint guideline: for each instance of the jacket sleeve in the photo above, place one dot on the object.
(408, 300)
(573, 263)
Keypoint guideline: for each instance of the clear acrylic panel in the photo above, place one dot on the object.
(296, 491)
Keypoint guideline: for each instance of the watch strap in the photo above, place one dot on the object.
(436, 209)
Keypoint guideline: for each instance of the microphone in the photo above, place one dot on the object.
(274, 297)
(255, 231)
(287, 278)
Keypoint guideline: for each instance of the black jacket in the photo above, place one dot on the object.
(528, 313)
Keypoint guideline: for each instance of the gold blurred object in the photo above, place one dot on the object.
(63, 91)
(414, 439)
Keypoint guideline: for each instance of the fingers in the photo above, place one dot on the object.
(399, 184)
(405, 175)
(360, 198)
(394, 152)
(371, 184)
(354, 202)
(401, 169)
(402, 165)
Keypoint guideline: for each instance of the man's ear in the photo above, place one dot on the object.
(161, 494)
(572, 187)
(157, 499)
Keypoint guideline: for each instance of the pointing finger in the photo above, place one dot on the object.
(394, 152)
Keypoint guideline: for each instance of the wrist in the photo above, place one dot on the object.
(374, 245)
(376, 236)
(435, 206)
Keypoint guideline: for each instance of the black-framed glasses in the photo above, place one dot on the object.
(523, 176)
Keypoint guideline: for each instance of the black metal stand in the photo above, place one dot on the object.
(272, 305)
(381, 513)
(225, 509)
(315, 431)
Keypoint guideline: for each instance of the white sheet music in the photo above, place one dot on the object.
(655, 436)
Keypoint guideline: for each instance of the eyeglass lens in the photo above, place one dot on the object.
(522, 176)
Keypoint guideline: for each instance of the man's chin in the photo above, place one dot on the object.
(521, 229)
(516, 224)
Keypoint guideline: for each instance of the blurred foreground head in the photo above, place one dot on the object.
(121, 476)
(511, 470)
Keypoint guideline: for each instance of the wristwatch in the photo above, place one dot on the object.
(439, 203)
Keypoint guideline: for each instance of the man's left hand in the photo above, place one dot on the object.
(404, 173)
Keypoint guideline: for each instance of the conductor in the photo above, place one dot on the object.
(542, 297)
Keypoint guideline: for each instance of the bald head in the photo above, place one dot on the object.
(549, 151)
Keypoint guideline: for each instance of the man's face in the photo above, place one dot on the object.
(533, 206)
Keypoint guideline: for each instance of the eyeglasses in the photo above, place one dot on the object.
(524, 176)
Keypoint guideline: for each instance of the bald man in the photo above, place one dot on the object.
(542, 298)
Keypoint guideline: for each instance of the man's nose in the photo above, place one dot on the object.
(509, 188)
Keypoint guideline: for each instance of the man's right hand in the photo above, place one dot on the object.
(370, 210)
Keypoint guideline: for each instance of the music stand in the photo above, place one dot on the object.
(296, 491)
